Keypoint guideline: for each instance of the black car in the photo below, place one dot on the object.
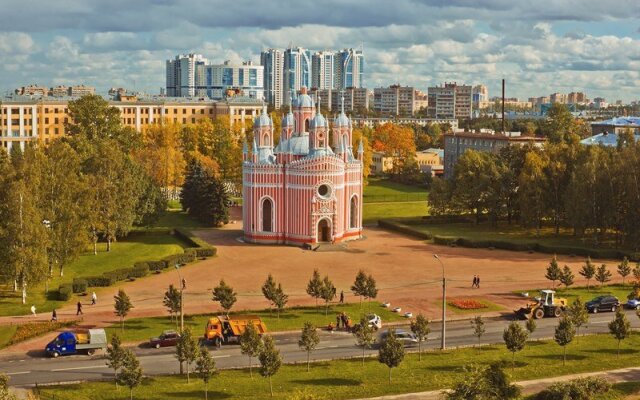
(603, 303)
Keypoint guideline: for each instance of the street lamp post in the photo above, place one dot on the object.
(181, 309)
(444, 304)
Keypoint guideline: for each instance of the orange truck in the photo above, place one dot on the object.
(223, 329)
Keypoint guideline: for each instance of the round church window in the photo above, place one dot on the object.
(324, 191)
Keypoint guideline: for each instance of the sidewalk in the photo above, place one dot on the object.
(532, 386)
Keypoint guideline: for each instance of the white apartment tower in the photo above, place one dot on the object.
(181, 74)
(323, 70)
(349, 69)
(272, 60)
(297, 70)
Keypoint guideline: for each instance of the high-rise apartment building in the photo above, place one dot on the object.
(181, 74)
(217, 81)
(449, 101)
(323, 70)
(479, 96)
(576, 98)
(558, 98)
(349, 69)
(394, 100)
(355, 99)
(272, 61)
(297, 70)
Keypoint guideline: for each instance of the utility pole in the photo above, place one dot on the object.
(503, 130)
(181, 307)
(444, 305)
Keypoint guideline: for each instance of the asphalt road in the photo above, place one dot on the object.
(34, 368)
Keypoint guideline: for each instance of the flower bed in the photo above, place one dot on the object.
(34, 329)
(467, 304)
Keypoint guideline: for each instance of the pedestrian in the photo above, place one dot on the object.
(342, 297)
(338, 321)
(79, 311)
(474, 282)
(343, 316)
(184, 284)
(33, 310)
(54, 316)
(478, 282)
(94, 298)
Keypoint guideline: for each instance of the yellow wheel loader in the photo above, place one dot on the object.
(547, 305)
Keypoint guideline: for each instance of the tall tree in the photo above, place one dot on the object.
(187, 349)
(588, 271)
(566, 277)
(224, 295)
(391, 352)
(171, 301)
(309, 340)
(620, 327)
(553, 273)
(92, 118)
(122, 305)
(420, 328)
(327, 293)
(314, 286)
(250, 344)
(603, 275)
(206, 368)
(624, 269)
(564, 334)
(515, 338)
(270, 360)
(532, 191)
(395, 141)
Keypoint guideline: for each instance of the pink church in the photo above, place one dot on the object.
(304, 190)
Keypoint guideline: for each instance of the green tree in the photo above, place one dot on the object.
(620, 327)
(566, 278)
(187, 349)
(603, 275)
(372, 289)
(359, 287)
(553, 273)
(314, 286)
(636, 274)
(559, 123)
(92, 118)
(270, 360)
(484, 383)
(115, 356)
(365, 336)
(564, 334)
(327, 293)
(131, 372)
(309, 340)
(250, 344)
(515, 338)
(420, 328)
(478, 327)
(122, 305)
(531, 326)
(532, 195)
(203, 195)
(269, 289)
(206, 368)
(624, 269)
(171, 301)
(280, 299)
(578, 314)
(224, 295)
(588, 271)
(391, 352)
(440, 197)
(5, 394)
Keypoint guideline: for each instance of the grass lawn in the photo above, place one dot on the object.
(379, 190)
(344, 379)
(375, 211)
(6, 333)
(585, 294)
(141, 329)
(176, 218)
(123, 254)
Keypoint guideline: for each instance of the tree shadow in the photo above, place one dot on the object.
(195, 394)
(329, 382)
(570, 357)
(613, 351)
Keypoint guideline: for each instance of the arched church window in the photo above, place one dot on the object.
(306, 125)
(354, 212)
(267, 215)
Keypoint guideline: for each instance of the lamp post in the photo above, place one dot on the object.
(181, 299)
(444, 303)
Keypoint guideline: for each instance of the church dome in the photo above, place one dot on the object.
(318, 121)
(342, 120)
(263, 119)
(304, 100)
(288, 119)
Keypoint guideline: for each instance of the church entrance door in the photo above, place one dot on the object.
(324, 231)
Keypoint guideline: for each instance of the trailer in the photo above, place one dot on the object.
(70, 342)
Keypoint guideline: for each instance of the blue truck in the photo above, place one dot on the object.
(69, 342)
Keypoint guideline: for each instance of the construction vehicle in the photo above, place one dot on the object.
(223, 329)
(547, 305)
(69, 342)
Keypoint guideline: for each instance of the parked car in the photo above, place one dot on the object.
(633, 304)
(603, 303)
(407, 339)
(374, 321)
(166, 339)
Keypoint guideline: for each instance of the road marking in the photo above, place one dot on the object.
(224, 356)
(74, 368)
(18, 373)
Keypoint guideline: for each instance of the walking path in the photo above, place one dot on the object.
(532, 386)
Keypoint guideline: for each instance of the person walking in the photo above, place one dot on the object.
(473, 284)
(478, 282)
(33, 311)
(342, 297)
(94, 298)
(338, 321)
(79, 309)
(54, 316)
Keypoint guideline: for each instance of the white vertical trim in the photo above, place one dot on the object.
(9, 123)
(34, 122)
(137, 118)
(21, 120)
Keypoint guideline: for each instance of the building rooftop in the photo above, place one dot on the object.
(620, 121)
(604, 139)
(32, 99)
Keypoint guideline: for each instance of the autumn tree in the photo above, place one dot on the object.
(395, 141)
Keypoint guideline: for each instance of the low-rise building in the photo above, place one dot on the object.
(430, 161)
(81, 90)
(450, 101)
(457, 142)
(372, 122)
(381, 163)
(395, 100)
(616, 125)
(27, 118)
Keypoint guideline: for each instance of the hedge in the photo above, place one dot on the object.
(64, 292)
(100, 281)
(202, 248)
(79, 285)
(139, 270)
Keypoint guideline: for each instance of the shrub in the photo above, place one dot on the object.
(444, 240)
(139, 270)
(100, 281)
(157, 265)
(64, 292)
(575, 389)
(79, 285)
(203, 252)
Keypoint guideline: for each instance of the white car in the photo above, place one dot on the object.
(374, 321)
(633, 304)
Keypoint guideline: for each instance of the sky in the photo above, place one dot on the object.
(539, 47)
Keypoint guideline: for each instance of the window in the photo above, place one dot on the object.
(227, 77)
(354, 212)
(324, 191)
(253, 77)
(267, 215)
(241, 77)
